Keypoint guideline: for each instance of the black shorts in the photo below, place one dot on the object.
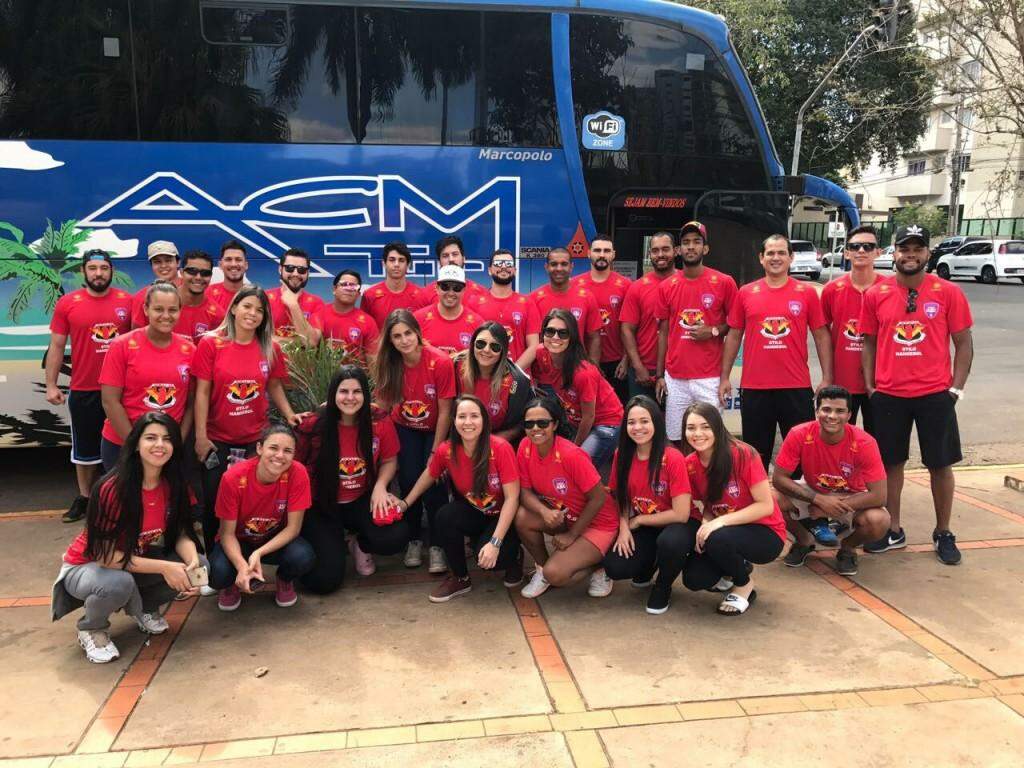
(862, 405)
(934, 415)
(87, 418)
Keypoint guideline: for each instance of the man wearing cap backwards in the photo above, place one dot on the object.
(448, 325)
(93, 317)
(907, 322)
(163, 260)
(291, 305)
(691, 307)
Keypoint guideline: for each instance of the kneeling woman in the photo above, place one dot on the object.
(562, 496)
(352, 458)
(138, 549)
(260, 504)
(652, 491)
(742, 523)
(485, 479)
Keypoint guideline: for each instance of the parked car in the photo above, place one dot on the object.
(884, 260)
(948, 245)
(805, 259)
(834, 258)
(985, 261)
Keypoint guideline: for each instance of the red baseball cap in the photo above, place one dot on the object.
(694, 226)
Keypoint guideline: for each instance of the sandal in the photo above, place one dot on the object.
(737, 603)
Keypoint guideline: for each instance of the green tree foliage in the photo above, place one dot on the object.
(877, 103)
(928, 216)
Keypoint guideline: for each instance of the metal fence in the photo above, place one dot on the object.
(993, 227)
(817, 231)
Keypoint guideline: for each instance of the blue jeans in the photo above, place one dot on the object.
(293, 560)
(636, 388)
(601, 444)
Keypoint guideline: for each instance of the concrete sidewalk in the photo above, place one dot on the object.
(909, 663)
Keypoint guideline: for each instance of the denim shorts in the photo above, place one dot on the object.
(601, 444)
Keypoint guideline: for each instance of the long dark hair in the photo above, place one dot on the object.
(575, 354)
(720, 467)
(328, 419)
(481, 458)
(114, 512)
(549, 404)
(471, 370)
(388, 368)
(627, 449)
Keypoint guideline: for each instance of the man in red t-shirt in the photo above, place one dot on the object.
(907, 323)
(840, 302)
(396, 292)
(233, 265)
(844, 480)
(344, 326)
(448, 325)
(163, 260)
(450, 250)
(609, 290)
(291, 305)
(513, 310)
(638, 323)
(93, 317)
(691, 308)
(772, 317)
(199, 313)
(579, 301)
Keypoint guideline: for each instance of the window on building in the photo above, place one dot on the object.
(972, 69)
(963, 162)
(915, 167)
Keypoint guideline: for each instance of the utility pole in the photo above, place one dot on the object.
(953, 220)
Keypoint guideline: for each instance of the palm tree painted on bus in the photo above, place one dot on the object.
(43, 267)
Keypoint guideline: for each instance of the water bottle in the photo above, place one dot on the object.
(236, 455)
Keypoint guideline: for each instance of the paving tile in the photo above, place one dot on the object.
(586, 749)
(122, 701)
(507, 726)
(892, 696)
(1008, 685)
(184, 755)
(965, 666)
(27, 762)
(951, 692)
(470, 729)
(373, 737)
(819, 701)
(658, 713)
(710, 710)
(141, 672)
(108, 760)
(771, 705)
(312, 742)
(565, 696)
(101, 734)
(579, 721)
(230, 750)
(147, 758)
(1015, 702)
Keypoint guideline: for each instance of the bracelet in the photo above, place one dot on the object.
(496, 542)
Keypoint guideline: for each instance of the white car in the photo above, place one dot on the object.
(833, 259)
(986, 261)
(885, 258)
(805, 259)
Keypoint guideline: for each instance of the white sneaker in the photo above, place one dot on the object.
(152, 623)
(537, 586)
(98, 647)
(600, 584)
(438, 563)
(207, 591)
(414, 554)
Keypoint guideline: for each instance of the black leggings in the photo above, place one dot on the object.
(665, 548)
(326, 534)
(726, 553)
(415, 453)
(210, 482)
(459, 519)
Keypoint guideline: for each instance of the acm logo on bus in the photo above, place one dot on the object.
(604, 131)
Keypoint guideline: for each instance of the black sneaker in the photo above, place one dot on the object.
(658, 600)
(76, 511)
(891, 540)
(846, 562)
(945, 547)
(798, 554)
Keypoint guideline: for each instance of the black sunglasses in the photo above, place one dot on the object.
(562, 333)
(446, 286)
(193, 271)
(537, 423)
(861, 246)
(481, 344)
(912, 300)
(289, 268)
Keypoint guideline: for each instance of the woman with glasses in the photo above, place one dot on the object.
(485, 479)
(239, 372)
(352, 458)
(486, 371)
(592, 409)
(561, 495)
(652, 491)
(416, 382)
(742, 523)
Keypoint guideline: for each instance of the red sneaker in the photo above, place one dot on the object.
(451, 587)
(285, 595)
(229, 599)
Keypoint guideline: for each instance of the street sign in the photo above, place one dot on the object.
(836, 229)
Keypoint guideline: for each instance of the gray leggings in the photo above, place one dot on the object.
(108, 590)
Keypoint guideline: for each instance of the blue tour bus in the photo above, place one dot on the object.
(339, 126)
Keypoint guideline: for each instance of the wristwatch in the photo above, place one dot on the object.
(958, 392)
(495, 542)
(715, 332)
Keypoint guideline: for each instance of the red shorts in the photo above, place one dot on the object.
(603, 540)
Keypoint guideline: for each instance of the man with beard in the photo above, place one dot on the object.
(450, 250)
(772, 317)
(580, 302)
(163, 260)
(907, 322)
(639, 321)
(233, 265)
(93, 317)
(512, 309)
(691, 308)
(290, 305)
(396, 292)
(609, 289)
(448, 325)
(199, 313)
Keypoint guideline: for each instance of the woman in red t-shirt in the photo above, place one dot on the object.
(352, 458)
(138, 549)
(239, 371)
(417, 383)
(742, 523)
(506, 392)
(652, 491)
(261, 504)
(592, 409)
(485, 483)
(561, 495)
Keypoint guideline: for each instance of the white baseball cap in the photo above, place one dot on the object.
(451, 273)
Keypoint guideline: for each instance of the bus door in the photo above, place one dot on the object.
(634, 216)
(738, 222)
